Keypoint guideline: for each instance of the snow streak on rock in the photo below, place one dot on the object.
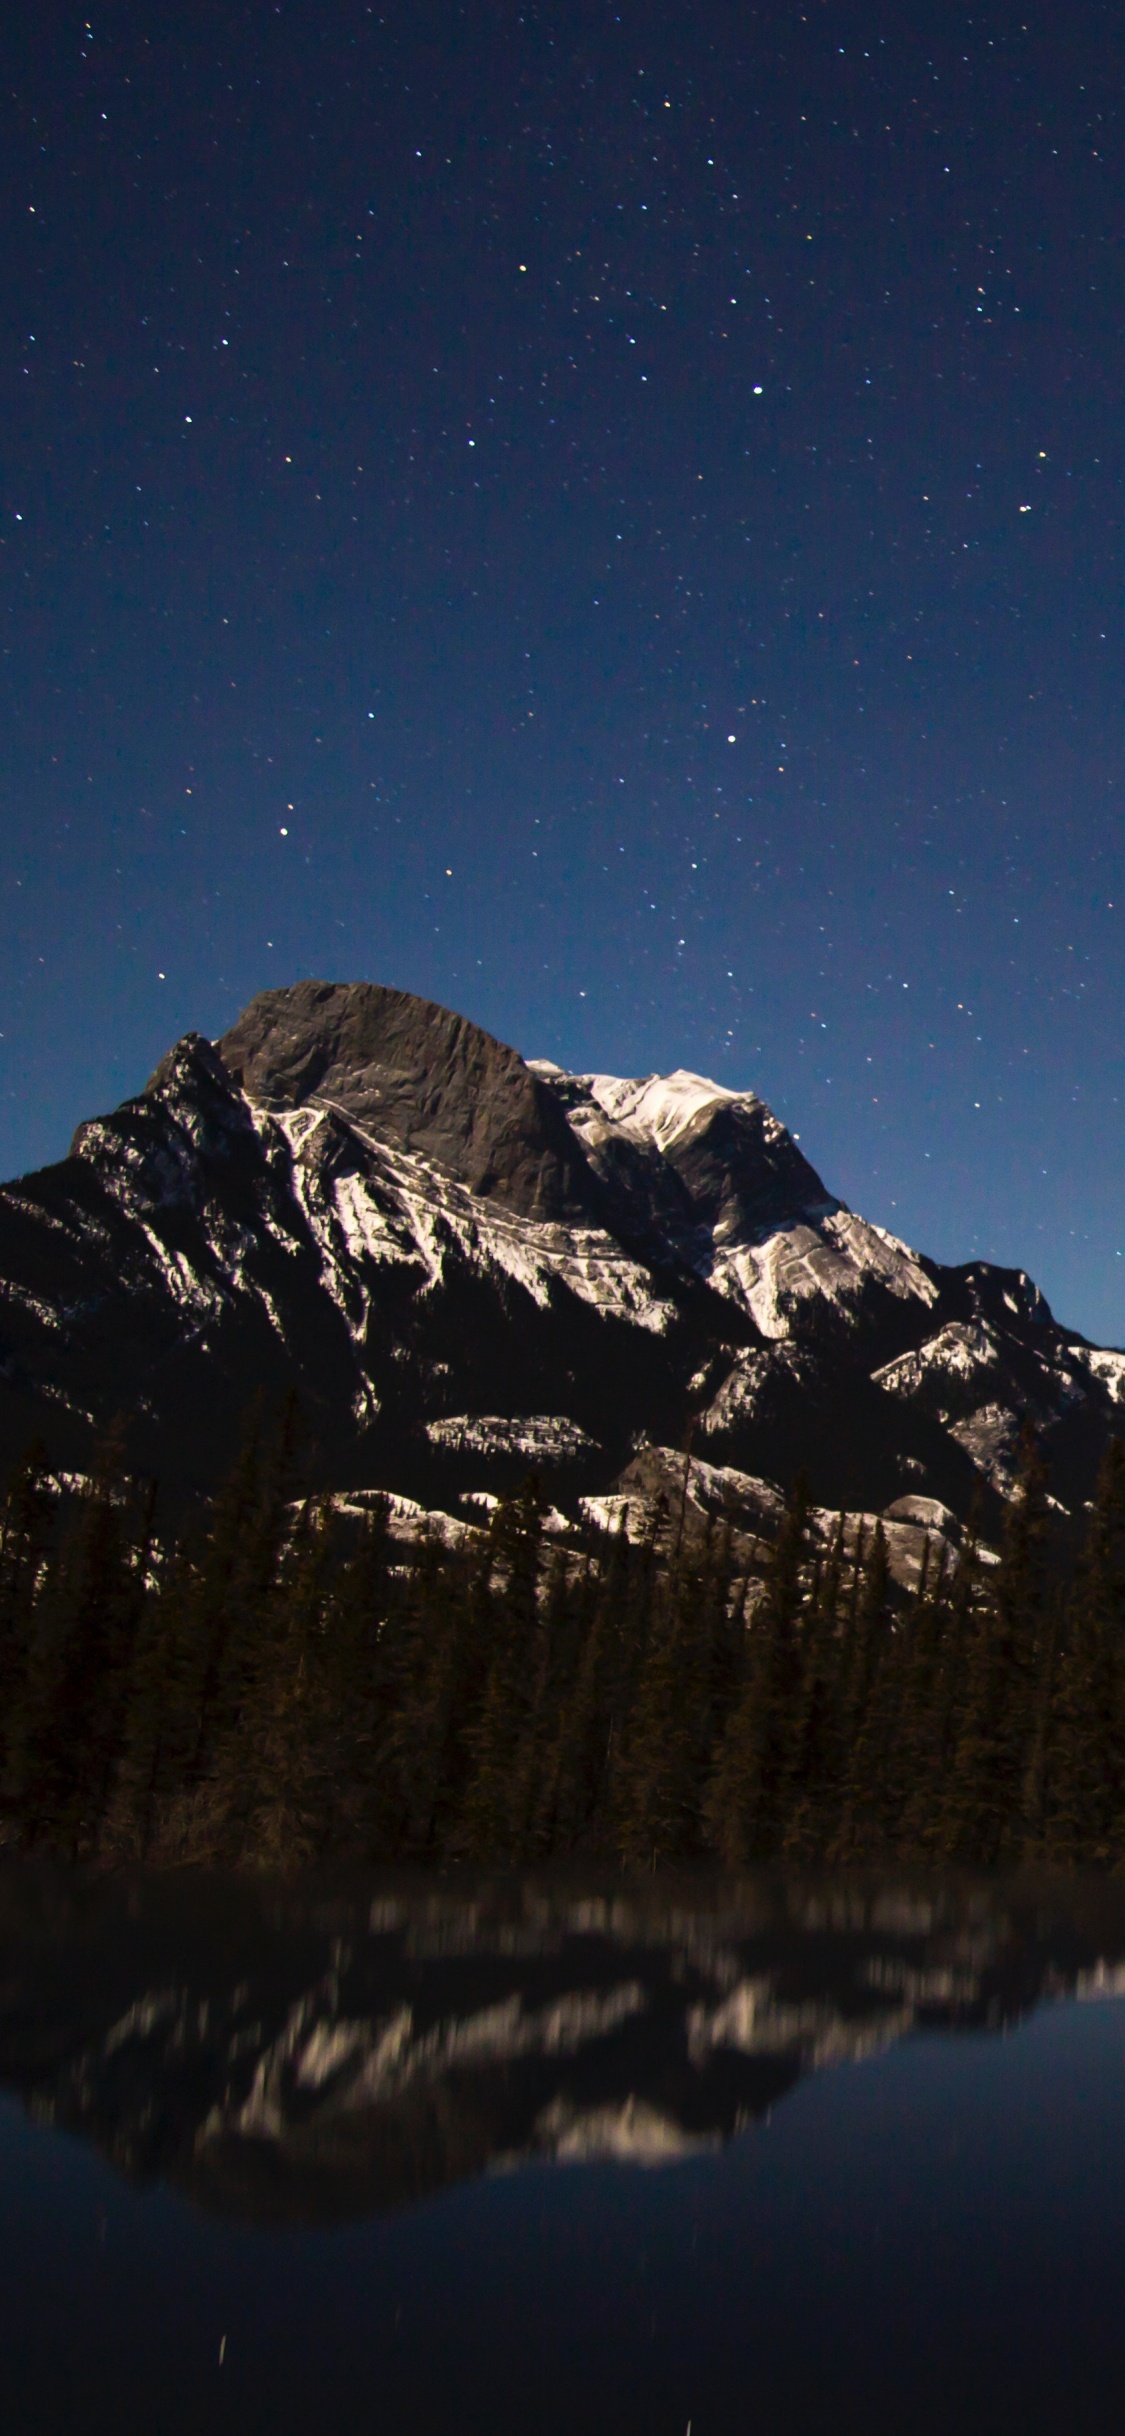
(534, 1435)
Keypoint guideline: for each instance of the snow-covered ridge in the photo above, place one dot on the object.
(659, 1108)
(833, 1260)
(959, 1352)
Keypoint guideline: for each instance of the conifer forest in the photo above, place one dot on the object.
(273, 1684)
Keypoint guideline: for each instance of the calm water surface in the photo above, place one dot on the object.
(537, 2156)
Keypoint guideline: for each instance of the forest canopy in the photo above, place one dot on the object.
(272, 1683)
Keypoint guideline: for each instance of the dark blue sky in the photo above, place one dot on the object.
(611, 518)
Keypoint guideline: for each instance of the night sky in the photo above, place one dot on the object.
(612, 519)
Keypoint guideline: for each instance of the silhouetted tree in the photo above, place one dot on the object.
(748, 1796)
(1087, 1760)
(984, 1807)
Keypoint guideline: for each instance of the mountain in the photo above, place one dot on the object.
(466, 1261)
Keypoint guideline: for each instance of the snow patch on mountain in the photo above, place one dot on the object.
(1108, 1368)
(927, 1512)
(960, 1352)
(990, 1437)
(531, 1434)
(406, 1519)
(552, 1521)
(13, 1291)
(833, 1261)
(658, 1109)
(397, 1207)
(633, 1515)
(188, 1289)
(748, 1384)
(693, 1496)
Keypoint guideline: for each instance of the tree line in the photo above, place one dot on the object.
(270, 1685)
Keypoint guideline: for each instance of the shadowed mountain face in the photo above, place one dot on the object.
(411, 1073)
(466, 1263)
(322, 2054)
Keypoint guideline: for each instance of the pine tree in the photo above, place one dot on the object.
(818, 1734)
(443, 1637)
(25, 1538)
(1044, 1734)
(151, 1768)
(490, 1829)
(552, 1669)
(868, 1711)
(273, 1772)
(215, 1590)
(618, 1607)
(362, 1685)
(920, 1721)
(1087, 1787)
(748, 1799)
(959, 1624)
(69, 1728)
(236, 1587)
(581, 1760)
(671, 1732)
(984, 1819)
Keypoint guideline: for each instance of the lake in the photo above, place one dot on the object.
(562, 2156)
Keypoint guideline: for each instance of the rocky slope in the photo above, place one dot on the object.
(467, 1262)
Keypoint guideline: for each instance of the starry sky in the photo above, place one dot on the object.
(609, 517)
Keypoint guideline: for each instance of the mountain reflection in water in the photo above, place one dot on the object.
(315, 2054)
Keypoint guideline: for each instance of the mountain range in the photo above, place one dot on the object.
(468, 1263)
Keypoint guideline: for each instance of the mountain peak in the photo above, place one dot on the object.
(423, 1077)
(662, 1108)
(719, 1158)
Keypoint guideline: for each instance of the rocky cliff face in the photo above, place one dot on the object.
(465, 1262)
(404, 1071)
